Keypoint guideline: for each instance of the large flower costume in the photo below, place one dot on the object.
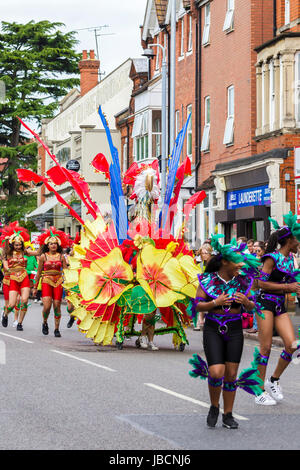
(129, 266)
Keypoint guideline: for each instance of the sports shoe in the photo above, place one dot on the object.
(45, 328)
(19, 327)
(15, 323)
(4, 320)
(143, 342)
(274, 389)
(264, 399)
(152, 346)
(57, 334)
(229, 422)
(212, 416)
(70, 322)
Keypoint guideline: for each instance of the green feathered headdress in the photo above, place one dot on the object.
(291, 223)
(234, 253)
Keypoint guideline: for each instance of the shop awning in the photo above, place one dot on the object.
(49, 204)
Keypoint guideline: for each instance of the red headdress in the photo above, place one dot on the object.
(14, 232)
(52, 234)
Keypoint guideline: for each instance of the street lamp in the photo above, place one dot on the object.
(150, 54)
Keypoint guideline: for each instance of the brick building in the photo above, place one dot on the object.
(140, 123)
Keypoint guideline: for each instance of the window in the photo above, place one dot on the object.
(190, 39)
(228, 24)
(156, 133)
(297, 89)
(189, 146)
(125, 156)
(206, 130)
(177, 123)
(286, 11)
(182, 38)
(140, 136)
(228, 136)
(206, 28)
(272, 95)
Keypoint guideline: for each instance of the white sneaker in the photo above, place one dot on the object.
(152, 346)
(15, 323)
(265, 399)
(143, 342)
(274, 389)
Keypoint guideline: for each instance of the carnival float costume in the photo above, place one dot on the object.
(121, 269)
(222, 333)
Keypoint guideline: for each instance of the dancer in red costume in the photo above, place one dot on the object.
(51, 265)
(14, 264)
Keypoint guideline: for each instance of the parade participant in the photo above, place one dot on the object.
(50, 269)
(278, 278)
(14, 263)
(258, 251)
(223, 290)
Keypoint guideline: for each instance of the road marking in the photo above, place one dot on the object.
(16, 337)
(192, 400)
(84, 360)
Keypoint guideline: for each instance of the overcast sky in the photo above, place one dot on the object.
(124, 18)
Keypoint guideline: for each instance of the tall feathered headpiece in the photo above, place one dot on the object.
(14, 232)
(291, 225)
(52, 234)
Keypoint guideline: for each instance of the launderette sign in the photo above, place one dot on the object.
(258, 196)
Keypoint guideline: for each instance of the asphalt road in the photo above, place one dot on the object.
(67, 393)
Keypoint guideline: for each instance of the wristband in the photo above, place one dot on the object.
(214, 302)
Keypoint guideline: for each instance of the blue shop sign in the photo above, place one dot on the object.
(258, 196)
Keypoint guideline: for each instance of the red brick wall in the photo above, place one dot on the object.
(228, 60)
(294, 14)
(88, 67)
(285, 141)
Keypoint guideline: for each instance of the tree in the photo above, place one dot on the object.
(38, 65)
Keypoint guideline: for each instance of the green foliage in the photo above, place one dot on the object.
(39, 65)
(16, 207)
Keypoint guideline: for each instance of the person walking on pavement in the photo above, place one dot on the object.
(258, 251)
(223, 289)
(278, 278)
(50, 269)
(14, 263)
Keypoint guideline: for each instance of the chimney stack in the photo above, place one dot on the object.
(89, 68)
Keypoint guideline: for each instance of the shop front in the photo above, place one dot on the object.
(248, 193)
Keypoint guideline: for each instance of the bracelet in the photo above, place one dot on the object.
(214, 302)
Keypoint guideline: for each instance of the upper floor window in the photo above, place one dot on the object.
(190, 38)
(206, 131)
(140, 136)
(206, 29)
(229, 18)
(189, 146)
(286, 11)
(182, 38)
(229, 128)
(156, 133)
(297, 88)
(272, 95)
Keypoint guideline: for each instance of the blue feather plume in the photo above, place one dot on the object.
(117, 199)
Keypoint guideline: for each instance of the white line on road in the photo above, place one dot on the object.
(84, 360)
(16, 337)
(192, 400)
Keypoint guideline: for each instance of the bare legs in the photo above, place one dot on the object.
(217, 372)
(47, 304)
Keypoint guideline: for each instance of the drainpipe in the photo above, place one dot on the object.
(198, 96)
(274, 18)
